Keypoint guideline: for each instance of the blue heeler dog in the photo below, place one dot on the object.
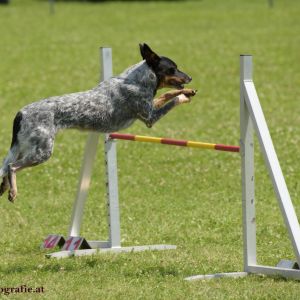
(112, 105)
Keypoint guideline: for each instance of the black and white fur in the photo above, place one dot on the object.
(112, 105)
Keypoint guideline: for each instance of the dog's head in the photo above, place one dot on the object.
(165, 69)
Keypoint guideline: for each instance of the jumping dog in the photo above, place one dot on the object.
(112, 105)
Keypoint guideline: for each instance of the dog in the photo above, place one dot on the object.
(111, 106)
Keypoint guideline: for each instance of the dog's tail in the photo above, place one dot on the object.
(11, 157)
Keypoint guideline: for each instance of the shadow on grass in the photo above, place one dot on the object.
(116, 267)
(25, 269)
(114, 264)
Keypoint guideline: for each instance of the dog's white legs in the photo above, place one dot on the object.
(19, 165)
(164, 98)
(12, 179)
(12, 176)
(34, 152)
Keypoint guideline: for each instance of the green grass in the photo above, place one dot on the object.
(191, 198)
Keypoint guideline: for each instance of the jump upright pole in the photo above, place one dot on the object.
(113, 244)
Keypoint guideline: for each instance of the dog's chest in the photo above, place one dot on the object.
(124, 124)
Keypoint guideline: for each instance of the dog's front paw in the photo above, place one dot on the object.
(182, 98)
(189, 92)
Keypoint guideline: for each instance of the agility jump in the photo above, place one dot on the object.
(251, 119)
(173, 142)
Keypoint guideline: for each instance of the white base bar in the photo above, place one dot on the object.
(256, 269)
(64, 254)
(217, 275)
(274, 271)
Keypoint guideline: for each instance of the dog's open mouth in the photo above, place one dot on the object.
(178, 85)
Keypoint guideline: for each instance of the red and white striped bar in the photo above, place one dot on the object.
(174, 142)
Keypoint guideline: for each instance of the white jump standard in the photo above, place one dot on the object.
(252, 118)
(113, 244)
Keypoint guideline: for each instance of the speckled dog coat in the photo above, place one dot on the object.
(112, 105)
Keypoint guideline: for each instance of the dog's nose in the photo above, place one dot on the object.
(189, 79)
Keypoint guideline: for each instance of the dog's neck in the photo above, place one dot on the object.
(141, 74)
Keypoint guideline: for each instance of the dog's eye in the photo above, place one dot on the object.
(171, 71)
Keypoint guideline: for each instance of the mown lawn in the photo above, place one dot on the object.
(187, 197)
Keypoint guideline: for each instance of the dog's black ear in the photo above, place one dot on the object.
(151, 57)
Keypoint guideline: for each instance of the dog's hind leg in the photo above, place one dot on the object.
(12, 176)
(11, 157)
(12, 179)
(35, 156)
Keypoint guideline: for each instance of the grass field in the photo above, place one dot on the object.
(187, 197)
